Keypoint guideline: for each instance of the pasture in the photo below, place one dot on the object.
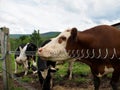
(82, 78)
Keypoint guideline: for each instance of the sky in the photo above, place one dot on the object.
(25, 16)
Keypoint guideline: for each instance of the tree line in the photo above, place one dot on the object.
(33, 38)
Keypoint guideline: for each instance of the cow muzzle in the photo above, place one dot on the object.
(43, 53)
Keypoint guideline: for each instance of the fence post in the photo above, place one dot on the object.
(7, 69)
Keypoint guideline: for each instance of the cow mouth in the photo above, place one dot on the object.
(44, 58)
(54, 58)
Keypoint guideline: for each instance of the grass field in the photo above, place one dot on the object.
(79, 69)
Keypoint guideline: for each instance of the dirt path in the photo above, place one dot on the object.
(36, 86)
(63, 85)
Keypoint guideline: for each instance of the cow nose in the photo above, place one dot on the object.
(40, 50)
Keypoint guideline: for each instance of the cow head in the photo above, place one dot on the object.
(22, 56)
(57, 49)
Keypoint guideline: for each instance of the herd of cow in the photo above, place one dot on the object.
(25, 54)
(98, 47)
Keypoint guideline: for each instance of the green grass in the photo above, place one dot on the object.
(78, 69)
(80, 80)
(26, 79)
(81, 68)
(12, 64)
(18, 88)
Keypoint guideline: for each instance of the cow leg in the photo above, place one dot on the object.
(96, 82)
(69, 72)
(114, 80)
(16, 67)
(26, 67)
(28, 64)
(51, 81)
(41, 79)
(47, 82)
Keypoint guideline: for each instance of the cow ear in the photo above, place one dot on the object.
(74, 32)
(20, 48)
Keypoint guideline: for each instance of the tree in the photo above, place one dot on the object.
(35, 38)
(24, 39)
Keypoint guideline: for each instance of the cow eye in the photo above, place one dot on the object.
(61, 39)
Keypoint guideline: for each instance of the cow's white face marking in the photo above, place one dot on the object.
(22, 57)
(106, 71)
(55, 49)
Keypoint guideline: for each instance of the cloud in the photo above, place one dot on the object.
(109, 10)
(23, 16)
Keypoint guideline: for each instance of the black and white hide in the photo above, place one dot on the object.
(46, 69)
(23, 56)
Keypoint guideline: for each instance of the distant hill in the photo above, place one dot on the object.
(43, 35)
(49, 34)
(17, 35)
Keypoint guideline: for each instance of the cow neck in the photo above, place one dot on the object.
(85, 39)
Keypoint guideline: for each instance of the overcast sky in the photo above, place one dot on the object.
(24, 16)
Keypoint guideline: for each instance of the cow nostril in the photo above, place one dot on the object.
(40, 50)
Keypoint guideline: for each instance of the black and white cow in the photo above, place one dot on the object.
(23, 56)
(46, 70)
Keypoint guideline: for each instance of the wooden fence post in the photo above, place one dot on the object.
(7, 69)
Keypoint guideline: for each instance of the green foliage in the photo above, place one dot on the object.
(15, 42)
(24, 39)
(18, 35)
(35, 38)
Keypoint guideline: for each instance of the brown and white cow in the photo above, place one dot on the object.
(98, 47)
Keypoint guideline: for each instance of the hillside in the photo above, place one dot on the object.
(17, 35)
(49, 34)
(43, 35)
